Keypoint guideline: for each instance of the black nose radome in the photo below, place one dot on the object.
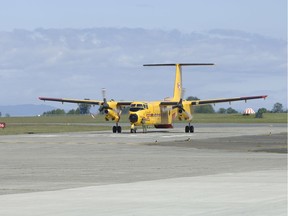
(133, 118)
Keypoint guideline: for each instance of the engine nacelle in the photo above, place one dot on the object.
(112, 104)
(185, 115)
(182, 115)
(111, 114)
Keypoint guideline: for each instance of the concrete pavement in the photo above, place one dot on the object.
(122, 174)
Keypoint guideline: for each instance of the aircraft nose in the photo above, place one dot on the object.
(133, 118)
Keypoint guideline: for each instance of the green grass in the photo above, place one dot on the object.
(239, 118)
(51, 124)
(13, 129)
(75, 123)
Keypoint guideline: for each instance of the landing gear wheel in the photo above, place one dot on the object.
(114, 129)
(117, 129)
(187, 129)
(191, 129)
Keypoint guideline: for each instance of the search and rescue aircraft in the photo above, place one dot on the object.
(157, 113)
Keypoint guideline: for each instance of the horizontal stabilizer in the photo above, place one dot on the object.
(181, 64)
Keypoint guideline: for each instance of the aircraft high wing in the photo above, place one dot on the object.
(213, 101)
(158, 113)
(84, 101)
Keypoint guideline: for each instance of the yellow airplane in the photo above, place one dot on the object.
(158, 113)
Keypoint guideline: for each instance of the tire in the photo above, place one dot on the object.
(187, 129)
(191, 129)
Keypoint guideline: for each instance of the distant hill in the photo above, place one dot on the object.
(24, 110)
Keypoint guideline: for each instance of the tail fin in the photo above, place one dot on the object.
(178, 76)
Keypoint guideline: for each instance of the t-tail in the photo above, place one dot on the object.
(178, 90)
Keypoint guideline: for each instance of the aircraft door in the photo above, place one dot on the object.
(164, 115)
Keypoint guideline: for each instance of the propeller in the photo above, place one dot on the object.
(179, 105)
(181, 109)
(106, 108)
(105, 105)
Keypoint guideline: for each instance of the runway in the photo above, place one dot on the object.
(226, 169)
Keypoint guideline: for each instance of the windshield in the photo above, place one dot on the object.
(136, 107)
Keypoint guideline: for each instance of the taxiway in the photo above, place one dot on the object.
(221, 169)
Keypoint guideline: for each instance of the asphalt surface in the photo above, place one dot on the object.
(226, 169)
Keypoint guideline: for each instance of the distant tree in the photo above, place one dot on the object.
(205, 109)
(84, 108)
(0, 114)
(55, 112)
(277, 108)
(263, 110)
(259, 113)
(74, 112)
(190, 98)
(230, 110)
(222, 111)
(201, 109)
(125, 110)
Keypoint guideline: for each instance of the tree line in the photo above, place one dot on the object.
(84, 109)
(277, 108)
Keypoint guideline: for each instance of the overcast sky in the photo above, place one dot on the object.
(265, 18)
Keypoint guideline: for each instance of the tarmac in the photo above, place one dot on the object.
(221, 169)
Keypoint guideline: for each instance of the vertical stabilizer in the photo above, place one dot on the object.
(177, 95)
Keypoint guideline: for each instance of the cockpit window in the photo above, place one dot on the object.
(137, 107)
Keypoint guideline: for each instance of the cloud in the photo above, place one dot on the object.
(79, 62)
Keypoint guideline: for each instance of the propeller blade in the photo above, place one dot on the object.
(189, 115)
(104, 94)
(179, 105)
(94, 115)
(105, 105)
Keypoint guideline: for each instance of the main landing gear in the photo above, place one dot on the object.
(117, 128)
(189, 128)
